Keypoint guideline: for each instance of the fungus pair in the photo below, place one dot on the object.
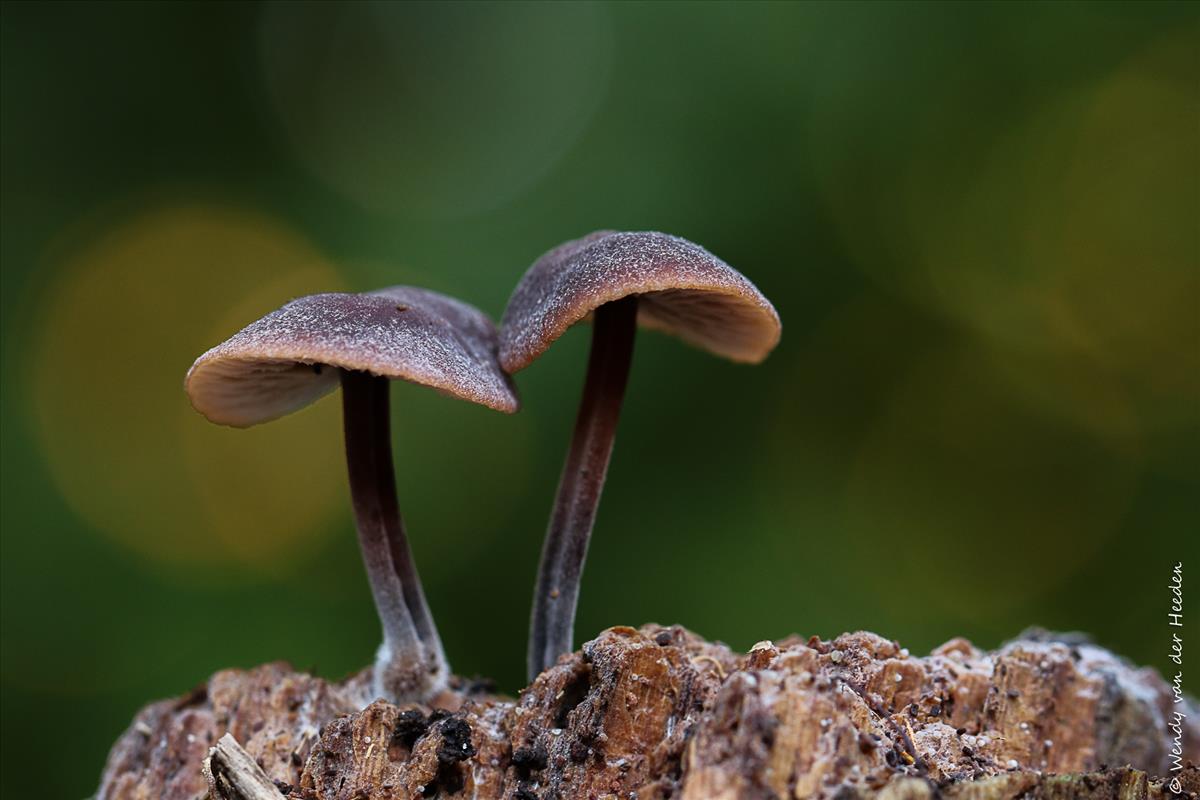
(302, 351)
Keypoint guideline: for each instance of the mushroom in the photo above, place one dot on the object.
(298, 353)
(662, 281)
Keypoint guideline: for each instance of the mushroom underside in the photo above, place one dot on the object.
(245, 392)
(241, 392)
(727, 325)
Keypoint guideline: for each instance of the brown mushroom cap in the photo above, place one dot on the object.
(682, 289)
(275, 366)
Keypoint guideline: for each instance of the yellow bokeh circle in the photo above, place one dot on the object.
(125, 314)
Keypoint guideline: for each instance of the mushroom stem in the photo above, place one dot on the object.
(582, 481)
(410, 664)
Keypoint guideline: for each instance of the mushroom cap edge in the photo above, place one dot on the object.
(275, 365)
(684, 290)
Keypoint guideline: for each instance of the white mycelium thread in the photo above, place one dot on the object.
(290, 357)
(681, 287)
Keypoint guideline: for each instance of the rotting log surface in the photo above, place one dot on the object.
(661, 713)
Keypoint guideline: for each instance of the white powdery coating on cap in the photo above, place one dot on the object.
(682, 289)
(276, 365)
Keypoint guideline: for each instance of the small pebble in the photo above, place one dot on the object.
(836, 656)
(1012, 763)
(899, 678)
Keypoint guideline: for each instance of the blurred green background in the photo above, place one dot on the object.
(978, 223)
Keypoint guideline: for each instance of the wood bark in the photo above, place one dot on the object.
(661, 713)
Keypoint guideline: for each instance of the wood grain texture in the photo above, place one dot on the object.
(232, 774)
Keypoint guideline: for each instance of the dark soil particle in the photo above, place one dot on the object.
(410, 726)
(530, 759)
(456, 741)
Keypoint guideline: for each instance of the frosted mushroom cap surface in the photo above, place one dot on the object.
(682, 289)
(290, 357)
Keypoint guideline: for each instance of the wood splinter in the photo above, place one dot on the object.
(233, 775)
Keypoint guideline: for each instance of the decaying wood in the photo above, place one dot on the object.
(661, 713)
(232, 774)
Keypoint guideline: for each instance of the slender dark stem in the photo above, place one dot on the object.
(582, 481)
(411, 662)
